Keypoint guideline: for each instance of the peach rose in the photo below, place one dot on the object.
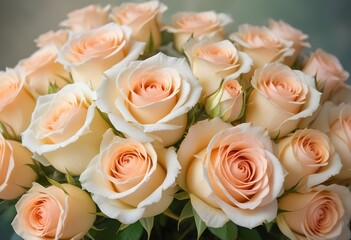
(227, 102)
(308, 157)
(143, 19)
(54, 213)
(213, 60)
(289, 33)
(342, 95)
(281, 97)
(240, 178)
(195, 24)
(57, 38)
(86, 18)
(42, 70)
(335, 121)
(131, 180)
(62, 125)
(327, 70)
(87, 55)
(149, 99)
(262, 44)
(15, 174)
(321, 213)
(13, 94)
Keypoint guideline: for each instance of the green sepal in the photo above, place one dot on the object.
(200, 225)
(148, 224)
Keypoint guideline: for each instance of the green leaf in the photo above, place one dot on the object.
(148, 224)
(228, 232)
(200, 225)
(182, 195)
(55, 183)
(246, 233)
(187, 212)
(132, 232)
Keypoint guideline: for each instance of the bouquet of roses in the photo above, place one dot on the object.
(121, 126)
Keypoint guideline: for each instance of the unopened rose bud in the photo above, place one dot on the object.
(227, 102)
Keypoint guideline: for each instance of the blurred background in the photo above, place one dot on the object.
(328, 23)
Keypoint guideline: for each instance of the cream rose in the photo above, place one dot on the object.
(42, 70)
(64, 124)
(281, 97)
(87, 55)
(143, 18)
(335, 121)
(149, 99)
(240, 178)
(290, 33)
(195, 24)
(328, 72)
(262, 44)
(86, 18)
(54, 213)
(308, 157)
(321, 213)
(57, 38)
(15, 173)
(213, 60)
(14, 93)
(131, 180)
(227, 102)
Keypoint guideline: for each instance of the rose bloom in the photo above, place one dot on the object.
(66, 129)
(143, 18)
(289, 33)
(57, 38)
(328, 72)
(87, 55)
(15, 173)
(342, 95)
(227, 102)
(131, 180)
(14, 93)
(321, 213)
(335, 121)
(42, 70)
(54, 213)
(86, 18)
(213, 60)
(262, 44)
(240, 178)
(195, 24)
(308, 157)
(149, 99)
(280, 98)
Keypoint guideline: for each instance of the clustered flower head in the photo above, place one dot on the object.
(111, 128)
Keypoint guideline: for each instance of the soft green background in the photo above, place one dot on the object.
(327, 22)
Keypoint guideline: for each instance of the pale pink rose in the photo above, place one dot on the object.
(280, 98)
(288, 32)
(42, 70)
(89, 54)
(131, 180)
(212, 60)
(321, 213)
(308, 157)
(195, 24)
(15, 173)
(86, 18)
(227, 102)
(342, 95)
(54, 213)
(149, 99)
(335, 121)
(328, 72)
(262, 44)
(143, 18)
(57, 38)
(66, 129)
(240, 178)
(16, 103)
